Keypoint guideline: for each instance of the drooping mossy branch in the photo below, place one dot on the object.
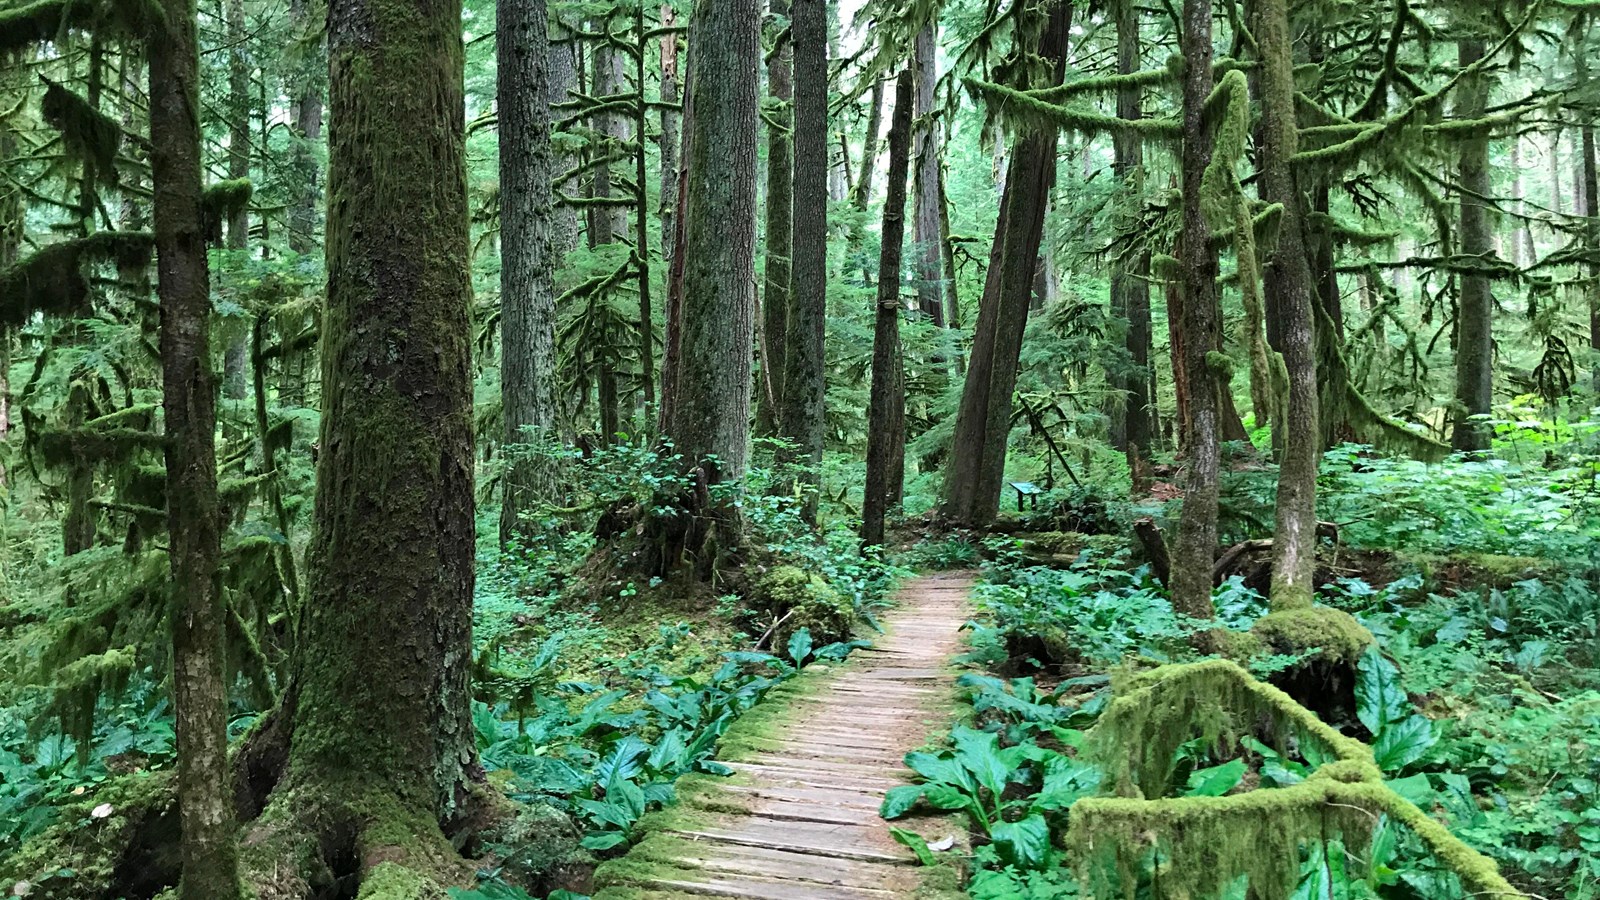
(1022, 108)
(52, 281)
(47, 21)
(88, 134)
(1205, 844)
(220, 202)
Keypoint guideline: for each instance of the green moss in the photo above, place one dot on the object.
(142, 806)
(392, 881)
(809, 602)
(940, 882)
(1205, 844)
(1335, 632)
(222, 201)
(88, 134)
(654, 859)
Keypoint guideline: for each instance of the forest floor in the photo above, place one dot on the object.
(799, 819)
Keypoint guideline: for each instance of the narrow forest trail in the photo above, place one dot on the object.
(799, 818)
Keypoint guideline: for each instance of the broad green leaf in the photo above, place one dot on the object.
(899, 800)
(940, 768)
(1379, 697)
(800, 646)
(603, 840)
(944, 796)
(979, 753)
(1025, 843)
(1404, 742)
(1217, 780)
(916, 843)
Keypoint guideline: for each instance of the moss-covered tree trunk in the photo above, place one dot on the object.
(527, 289)
(1288, 277)
(208, 850)
(1591, 193)
(1197, 526)
(711, 379)
(1474, 303)
(382, 750)
(235, 364)
(1130, 285)
(564, 68)
(976, 464)
(306, 114)
(776, 278)
(803, 379)
(886, 406)
(926, 152)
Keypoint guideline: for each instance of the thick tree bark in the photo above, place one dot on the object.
(527, 289)
(926, 151)
(886, 406)
(209, 852)
(383, 743)
(1130, 285)
(1197, 524)
(1475, 305)
(780, 222)
(804, 381)
(976, 465)
(608, 222)
(641, 235)
(1289, 276)
(711, 410)
(861, 194)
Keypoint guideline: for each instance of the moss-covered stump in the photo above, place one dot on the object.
(1206, 843)
(1331, 643)
(120, 840)
(801, 599)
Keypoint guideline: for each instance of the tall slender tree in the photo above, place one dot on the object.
(1130, 285)
(886, 406)
(803, 380)
(927, 151)
(1289, 279)
(776, 280)
(973, 475)
(1197, 524)
(527, 288)
(209, 850)
(1475, 303)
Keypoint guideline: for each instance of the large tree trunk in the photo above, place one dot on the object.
(780, 222)
(609, 221)
(1475, 305)
(1130, 285)
(886, 407)
(1197, 525)
(1591, 193)
(1294, 541)
(641, 235)
(711, 409)
(382, 749)
(527, 290)
(976, 465)
(804, 381)
(209, 852)
(926, 151)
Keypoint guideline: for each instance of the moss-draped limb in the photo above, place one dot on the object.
(1022, 107)
(1205, 844)
(53, 280)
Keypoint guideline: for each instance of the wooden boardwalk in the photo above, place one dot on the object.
(799, 820)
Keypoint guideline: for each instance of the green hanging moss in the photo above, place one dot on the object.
(52, 281)
(221, 201)
(48, 21)
(1026, 109)
(72, 447)
(88, 134)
